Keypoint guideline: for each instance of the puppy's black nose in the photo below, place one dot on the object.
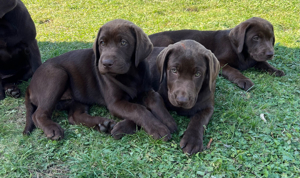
(270, 54)
(107, 62)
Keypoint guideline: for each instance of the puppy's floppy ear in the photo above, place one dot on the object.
(273, 34)
(96, 48)
(237, 35)
(143, 45)
(213, 68)
(162, 61)
(6, 6)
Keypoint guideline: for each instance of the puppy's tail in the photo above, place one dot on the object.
(30, 109)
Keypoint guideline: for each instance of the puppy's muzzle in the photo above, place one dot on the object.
(182, 100)
(107, 63)
(269, 54)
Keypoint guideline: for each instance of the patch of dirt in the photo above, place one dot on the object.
(56, 171)
(192, 9)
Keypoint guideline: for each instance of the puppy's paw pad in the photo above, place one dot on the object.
(13, 92)
(106, 126)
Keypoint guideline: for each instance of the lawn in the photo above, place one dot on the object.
(243, 145)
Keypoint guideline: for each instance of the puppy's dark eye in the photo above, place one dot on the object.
(197, 74)
(174, 71)
(102, 43)
(124, 42)
(255, 38)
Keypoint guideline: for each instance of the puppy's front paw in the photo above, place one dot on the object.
(244, 83)
(158, 130)
(13, 91)
(107, 125)
(122, 128)
(191, 143)
(54, 132)
(279, 73)
(172, 126)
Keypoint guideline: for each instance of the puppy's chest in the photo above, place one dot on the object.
(246, 64)
(182, 111)
(132, 85)
(186, 112)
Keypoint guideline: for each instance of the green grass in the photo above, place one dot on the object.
(243, 145)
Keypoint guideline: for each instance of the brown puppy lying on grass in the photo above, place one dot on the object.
(19, 52)
(113, 74)
(249, 44)
(184, 74)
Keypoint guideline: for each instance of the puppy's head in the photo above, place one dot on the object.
(186, 66)
(254, 36)
(119, 45)
(6, 6)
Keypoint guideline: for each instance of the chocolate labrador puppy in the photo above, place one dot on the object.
(184, 74)
(113, 74)
(250, 44)
(19, 52)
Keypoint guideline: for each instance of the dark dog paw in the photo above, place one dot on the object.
(191, 143)
(279, 73)
(107, 126)
(172, 126)
(158, 130)
(54, 132)
(244, 83)
(122, 128)
(13, 91)
(26, 132)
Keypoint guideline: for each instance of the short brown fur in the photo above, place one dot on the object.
(249, 44)
(113, 74)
